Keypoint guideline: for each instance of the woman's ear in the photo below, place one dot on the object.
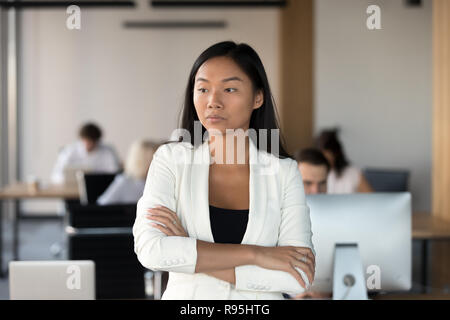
(259, 99)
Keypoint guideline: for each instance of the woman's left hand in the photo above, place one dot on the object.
(172, 224)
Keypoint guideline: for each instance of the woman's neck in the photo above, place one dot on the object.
(229, 149)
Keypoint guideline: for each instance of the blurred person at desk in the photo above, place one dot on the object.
(343, 177)
(314, 168)
(87, 154)
(128, 187)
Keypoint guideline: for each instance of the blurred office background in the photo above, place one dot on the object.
(326, 69)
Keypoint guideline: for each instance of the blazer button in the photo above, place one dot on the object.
(168, 263)
(182, 260)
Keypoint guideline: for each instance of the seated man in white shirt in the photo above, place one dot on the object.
(87, 154)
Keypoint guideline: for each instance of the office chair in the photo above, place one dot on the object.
(383, 180)
(92, 185)
(119, 275)
(95, 216)
(104, 235)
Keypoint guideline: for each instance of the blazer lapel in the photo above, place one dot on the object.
(200, 194)
(258, 198)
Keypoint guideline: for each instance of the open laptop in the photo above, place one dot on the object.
(52, 280)
(72, 173)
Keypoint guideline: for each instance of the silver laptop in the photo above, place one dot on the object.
(52, 280)
(72, 173)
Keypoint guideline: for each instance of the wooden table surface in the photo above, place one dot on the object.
(424, 225)
(412, 296)
(428, 226)
(17, 191)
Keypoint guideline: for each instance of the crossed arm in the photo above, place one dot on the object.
(220, 260)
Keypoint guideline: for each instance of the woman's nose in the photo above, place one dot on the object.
(215, 100)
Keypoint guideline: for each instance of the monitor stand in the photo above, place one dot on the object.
(348, 276)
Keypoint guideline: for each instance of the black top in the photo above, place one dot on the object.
(228, 225)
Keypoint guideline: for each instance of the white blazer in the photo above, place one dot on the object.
(278, 216)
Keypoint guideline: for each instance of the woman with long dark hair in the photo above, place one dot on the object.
(343, 177)
(227, 219)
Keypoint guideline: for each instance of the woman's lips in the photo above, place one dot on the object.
(214, 119)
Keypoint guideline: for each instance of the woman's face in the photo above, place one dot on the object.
(223, 90)
(330, 157)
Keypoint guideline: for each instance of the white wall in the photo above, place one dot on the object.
(130, 81)
(377, 86)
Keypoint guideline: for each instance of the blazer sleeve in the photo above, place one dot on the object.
(154, 249)
(294, 230)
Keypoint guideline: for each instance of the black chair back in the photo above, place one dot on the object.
(104, 234)
(383, 180)
(95, 216)
(118, 273)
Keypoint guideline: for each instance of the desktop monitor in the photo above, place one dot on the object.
(52, 280)
(382, 180)
(92, 185)
(378, 223)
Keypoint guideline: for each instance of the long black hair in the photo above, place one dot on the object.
(247, 59)
(329, 141)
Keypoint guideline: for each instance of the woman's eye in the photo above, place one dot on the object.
(203, 90)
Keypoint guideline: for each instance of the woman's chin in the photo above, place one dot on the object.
(216, 129)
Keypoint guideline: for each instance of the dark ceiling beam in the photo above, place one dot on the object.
(212, 3)
(65, 3)
(173, 24)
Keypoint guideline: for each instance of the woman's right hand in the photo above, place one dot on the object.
(286, 258)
